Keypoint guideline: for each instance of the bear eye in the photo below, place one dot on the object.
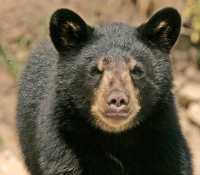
(138, 71)
(95, 71)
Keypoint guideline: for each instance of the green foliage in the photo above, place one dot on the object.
(14, 52)
(192, 13)
(11, 64)
(1, 143)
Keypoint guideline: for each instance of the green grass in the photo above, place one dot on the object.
(1, 143)
(9, 62)
(13, 53)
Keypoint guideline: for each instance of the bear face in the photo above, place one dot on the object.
(116, 73)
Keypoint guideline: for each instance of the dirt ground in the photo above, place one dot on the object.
(23, 23)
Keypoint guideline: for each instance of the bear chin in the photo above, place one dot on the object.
(115, 125)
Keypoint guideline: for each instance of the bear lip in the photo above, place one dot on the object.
(117, 115)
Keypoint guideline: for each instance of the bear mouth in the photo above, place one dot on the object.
(117, 114)
(114, 121)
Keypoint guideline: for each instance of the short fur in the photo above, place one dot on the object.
(58, 133)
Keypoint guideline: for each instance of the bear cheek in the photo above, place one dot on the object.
(134, 98)
(99, 102)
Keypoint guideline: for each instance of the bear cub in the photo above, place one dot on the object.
(98, 100)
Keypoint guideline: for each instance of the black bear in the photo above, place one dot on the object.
(98, 100)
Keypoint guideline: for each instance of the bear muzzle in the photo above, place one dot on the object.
(117, 103)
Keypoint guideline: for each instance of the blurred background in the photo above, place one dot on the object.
(24, 23)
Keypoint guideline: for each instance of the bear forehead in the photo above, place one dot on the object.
(118, 36)
(118, 32)
(116, 28)
(117, 47)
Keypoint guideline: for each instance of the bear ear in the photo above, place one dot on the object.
(68, 30)
(162, 29)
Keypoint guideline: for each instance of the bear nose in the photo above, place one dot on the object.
(118, 100)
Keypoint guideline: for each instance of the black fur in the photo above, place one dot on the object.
(55, 128)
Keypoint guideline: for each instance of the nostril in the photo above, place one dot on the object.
(113, 101)
(122, 102)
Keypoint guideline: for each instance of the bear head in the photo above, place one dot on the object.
(114, 75)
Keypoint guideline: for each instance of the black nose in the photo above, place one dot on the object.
(117, 99)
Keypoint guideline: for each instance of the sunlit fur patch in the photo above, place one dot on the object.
(115, 77)
(69, 26)
(163, 25)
